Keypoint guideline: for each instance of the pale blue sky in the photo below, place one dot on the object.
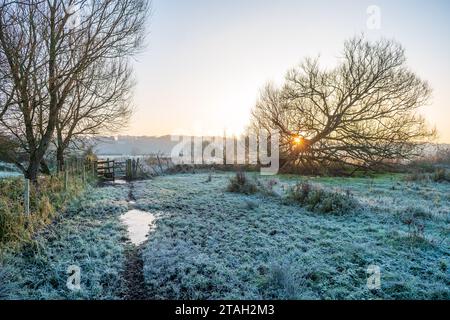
(207, 59)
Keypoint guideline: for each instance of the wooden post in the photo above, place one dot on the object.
(235, 151)
(66, 180)
(128, 169)
(137, 168)
(133, 169)
(247, 150)
(114, 170)
(26, 202)
(225, 148)
(160, 164)
(84, 175)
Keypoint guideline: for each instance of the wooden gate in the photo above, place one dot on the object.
(110, 170)
(106, 169)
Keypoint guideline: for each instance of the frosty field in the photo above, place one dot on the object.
(208, 243)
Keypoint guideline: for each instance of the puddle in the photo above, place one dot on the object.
(115, 182)
(139, 224)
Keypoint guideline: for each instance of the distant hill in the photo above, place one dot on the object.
(132, 145)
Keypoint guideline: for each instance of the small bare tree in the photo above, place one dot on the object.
(362, 113)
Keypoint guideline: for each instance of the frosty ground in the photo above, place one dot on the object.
(208, 243)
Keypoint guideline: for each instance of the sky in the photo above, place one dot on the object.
(206, 60)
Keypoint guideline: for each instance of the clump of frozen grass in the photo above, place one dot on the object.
(415, 219)
(319, 200)
(282, 280)
(417, 177)
(267, 187)
(415, 212)
(240, 183)
(441, 175)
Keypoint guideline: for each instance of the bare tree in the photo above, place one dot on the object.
(47, 46)
(362, 113)
(23, 76)
(100, 103)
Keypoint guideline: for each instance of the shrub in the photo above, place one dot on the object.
(415, 213)
(240, 183)
(319, 200)
(282, 280)
(266, 188)
(417, 177)
(440, 175)
(414, 218)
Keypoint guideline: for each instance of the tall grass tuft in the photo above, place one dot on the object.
(240, 183)
(319, 200)
(441, 175)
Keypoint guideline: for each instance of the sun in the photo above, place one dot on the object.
(298, 141)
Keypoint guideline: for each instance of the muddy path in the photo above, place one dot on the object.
(133, 274)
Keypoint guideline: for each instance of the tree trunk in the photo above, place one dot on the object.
(32, 171)
(60, 158)
(44, 168)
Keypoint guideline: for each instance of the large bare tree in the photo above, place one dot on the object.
(47, 46)
(361, 113)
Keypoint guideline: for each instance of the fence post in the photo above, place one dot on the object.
(137, 169)
(93, 169)
(128, 169)
(114, 170)
(133, 170)
(66, 180)
(84, 175)
(26, 202)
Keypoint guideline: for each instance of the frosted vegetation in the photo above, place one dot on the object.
(8, 174)
(8, 170)
(89, 235)
(210, 243)
(273, 241)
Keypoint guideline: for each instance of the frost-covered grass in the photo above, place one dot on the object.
(8, 170)
(209, 243)
(212, 244)
(9, 174)
(89, 235)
